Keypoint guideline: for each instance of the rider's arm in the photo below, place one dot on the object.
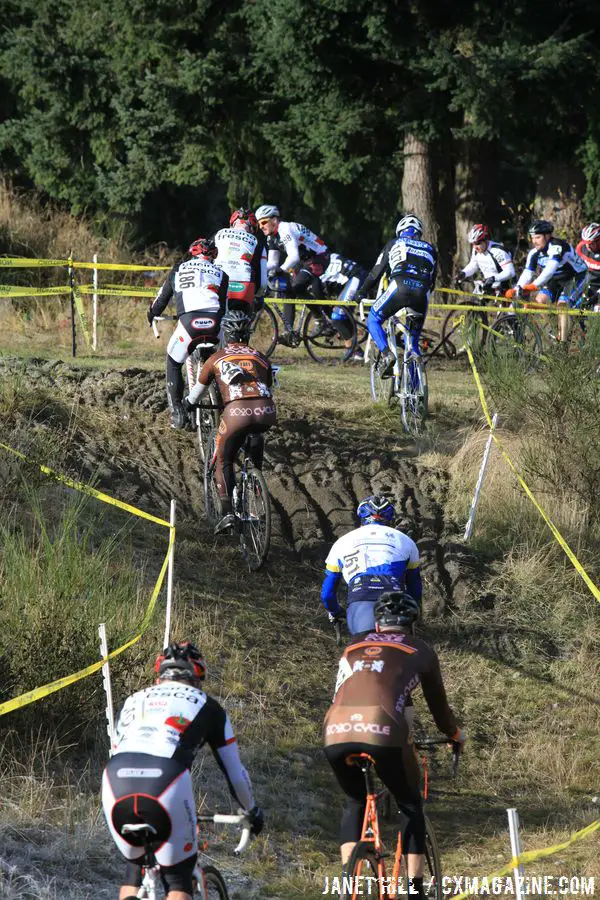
(224, 287)
(414, 585)
(223, 744)
(504, 260)
(292, 249)
(437, 701)
(333, 573)
(471, 267)
(529, 270)
(590, 262)
(261, 269)
(381, 264)
(160, 302)
(206, 373)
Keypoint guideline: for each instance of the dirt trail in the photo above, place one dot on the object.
(317, 473)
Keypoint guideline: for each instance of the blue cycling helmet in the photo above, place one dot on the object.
(376, 507)
(410, 225)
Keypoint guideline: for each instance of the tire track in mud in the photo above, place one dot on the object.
(316, 473)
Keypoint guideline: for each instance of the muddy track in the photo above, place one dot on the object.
(317, 473)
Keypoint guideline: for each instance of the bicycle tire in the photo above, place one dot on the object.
(207, 419)
(254, 517)
(216, 889)
(363, 862)
(470, 331)
(212, 505)
(414, 396)
(325, 347)
(264, 332)
(382, 389)
(433, 864)
(513, 335)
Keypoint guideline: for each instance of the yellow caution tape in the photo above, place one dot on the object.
(82, 316)
(114, 267)
(558, 536)
(51, 688)
(531, 855)
(90, 491)
(125, 291)
(13, 290)
(21, 262)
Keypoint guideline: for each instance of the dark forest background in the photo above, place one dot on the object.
(163, 115)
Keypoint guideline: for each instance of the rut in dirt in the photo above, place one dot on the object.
(317, 473)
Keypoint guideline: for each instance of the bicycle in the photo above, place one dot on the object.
(315, 329)
(408, 384)
(370, 851)
(209, 884)
(208, 408)
(250, 501)
(468, 327)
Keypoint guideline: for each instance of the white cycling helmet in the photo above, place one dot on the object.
(409, 221)
(591, 233)
(267, 212)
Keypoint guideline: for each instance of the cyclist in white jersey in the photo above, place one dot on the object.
(371, 559)
(494, 263)
(305, 256)
(199, 289)
(243, 256)
(148, 780)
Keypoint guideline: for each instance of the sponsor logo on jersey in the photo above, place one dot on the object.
(237, 286)
(357, 717)
(359, 728)
(139, 773)
(251, 411)
(202, 323)
(373, 651)
(179, 723)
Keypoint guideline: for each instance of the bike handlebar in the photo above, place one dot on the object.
(232, 819)
(431, 743)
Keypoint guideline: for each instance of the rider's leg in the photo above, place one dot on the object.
(352, 782)
(230, 437)
(563, 321)
(385, 306)
(177, 351)
(399, 770)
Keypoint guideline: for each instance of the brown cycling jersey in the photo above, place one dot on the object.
(240, 371)
(376, 675)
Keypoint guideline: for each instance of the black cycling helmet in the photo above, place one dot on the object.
(541, 226)
(396, 608)
(236, 326)
(181, 662)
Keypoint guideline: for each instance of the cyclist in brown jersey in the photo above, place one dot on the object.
(244, 378)
(377, 673)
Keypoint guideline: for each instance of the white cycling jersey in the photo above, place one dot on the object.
(196, 286)
(495, 263)
(237, 249)
(299, 242)
(372, 550)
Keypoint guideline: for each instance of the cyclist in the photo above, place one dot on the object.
(343, 277)
(199, 289)
(242, 254)
(561, 272)
(148, 780)
(371, 559)
(491, 259)
(412, 266)
(306, 259)
(589, 250)
(376, 675)
(244, 378)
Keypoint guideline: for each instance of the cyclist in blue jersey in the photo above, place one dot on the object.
(412, 266)
(371, 559)
(561, 272)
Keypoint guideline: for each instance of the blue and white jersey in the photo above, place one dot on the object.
(372, 550)
(557, 261)
(413, 258)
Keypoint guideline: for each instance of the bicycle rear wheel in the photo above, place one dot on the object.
(365, 864)
(432, 882)
(207, 419)
(264, 331)
(322, 340)
(214, 885)
(514, 336)
(414, 396)
(212, 505)
(254, 517)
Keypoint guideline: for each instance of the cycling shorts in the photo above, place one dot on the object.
(559, 290)
(193, 328)
(138, 787)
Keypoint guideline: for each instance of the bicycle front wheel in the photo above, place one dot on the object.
(414, 396)
(254, 514)
(212, 505)
(364, 864)
(381, 388)
(329, 340)
(432, 881)
(265, 331)
(514, 336)
(214, 885)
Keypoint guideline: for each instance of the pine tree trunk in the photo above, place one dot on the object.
(418, 185)
(469, 195)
